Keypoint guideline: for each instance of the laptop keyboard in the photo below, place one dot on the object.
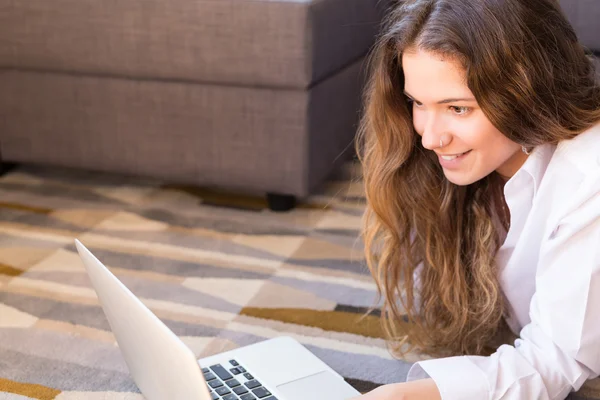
(232, 381)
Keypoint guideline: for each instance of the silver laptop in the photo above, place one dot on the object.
(164, 368)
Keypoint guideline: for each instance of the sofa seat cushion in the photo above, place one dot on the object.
(274, 43)
(584, 15)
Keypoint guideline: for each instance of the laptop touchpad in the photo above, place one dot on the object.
(322, 386)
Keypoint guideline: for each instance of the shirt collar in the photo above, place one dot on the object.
(535, 165)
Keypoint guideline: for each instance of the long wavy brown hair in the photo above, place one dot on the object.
(430, 244)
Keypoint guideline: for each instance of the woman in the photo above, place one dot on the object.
(481, 153)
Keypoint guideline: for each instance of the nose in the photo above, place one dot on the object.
(433, 131)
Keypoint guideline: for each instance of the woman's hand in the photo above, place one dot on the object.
(386, 392)
(424, 389)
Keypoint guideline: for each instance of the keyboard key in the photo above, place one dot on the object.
(204, 370)
(240, 390)
(223, 391)
(271, 398)
(234, 363)
(235, 371)
(232, 383)
(241, 369)
(214, 396)
(209, 377)
(253, 384)
(215, 383)
(248, 376)
(261, 392)
(221, 372)
(247, 397)
(230, 397)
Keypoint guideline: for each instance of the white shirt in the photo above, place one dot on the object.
(549, 271)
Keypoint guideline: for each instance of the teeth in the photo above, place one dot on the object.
(449, 158)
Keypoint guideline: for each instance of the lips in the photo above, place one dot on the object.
(453, 161)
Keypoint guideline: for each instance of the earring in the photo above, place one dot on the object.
(524, 149)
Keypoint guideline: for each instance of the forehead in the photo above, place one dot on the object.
(434, 77)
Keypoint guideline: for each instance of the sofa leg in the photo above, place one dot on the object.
(281, 202)
(6, 167)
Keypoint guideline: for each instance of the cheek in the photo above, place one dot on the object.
(480, 134)
(418, 121)
(493, 147)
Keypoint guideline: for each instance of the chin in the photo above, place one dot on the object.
(460, 179)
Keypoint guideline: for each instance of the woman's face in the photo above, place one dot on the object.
(445, 109)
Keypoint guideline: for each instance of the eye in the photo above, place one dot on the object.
(460, 110)
(413, 102)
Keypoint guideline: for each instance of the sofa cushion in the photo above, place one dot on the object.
(584, 15)
(254, 139)
(275, 43)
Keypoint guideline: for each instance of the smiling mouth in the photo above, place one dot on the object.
(452, 157)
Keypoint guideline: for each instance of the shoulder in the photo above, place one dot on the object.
(572, 178)
(581, 153)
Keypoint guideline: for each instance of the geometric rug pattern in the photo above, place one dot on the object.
(221, 270)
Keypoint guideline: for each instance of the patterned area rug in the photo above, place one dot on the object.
(221, 271)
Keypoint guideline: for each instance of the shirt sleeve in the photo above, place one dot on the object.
(560, 349)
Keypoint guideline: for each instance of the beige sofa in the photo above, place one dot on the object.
(252, 95)
(584, 15)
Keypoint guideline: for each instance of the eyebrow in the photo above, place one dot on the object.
(445, 101)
